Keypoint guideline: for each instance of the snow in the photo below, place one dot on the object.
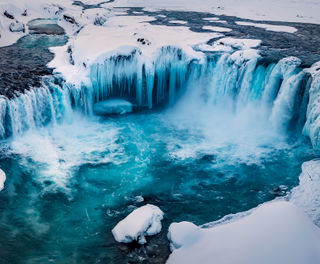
(211, 19)
(144, 221)
(306, 11)
(277, 232)
(240, 43)
(2, 179)
(218, 29)
(241, 49)
(182, 22)
(112, 106)
(275, 28)
(119, 36)
(307, 194)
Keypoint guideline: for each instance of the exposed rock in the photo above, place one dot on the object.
(143, 41)
(23, 64)
(70, 19)
(99, 21)
(8, 15)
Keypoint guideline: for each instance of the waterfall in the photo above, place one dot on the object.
(280, 89)
(148, 82)
(35, 108)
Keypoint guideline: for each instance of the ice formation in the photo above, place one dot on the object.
(112, 106)
(2, 179)
(143, 221)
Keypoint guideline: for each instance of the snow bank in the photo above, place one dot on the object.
(307, 194)
(144, 221)
(121, 35)
(2, 179)
(275, 28)
(276, 232)
(241, 49)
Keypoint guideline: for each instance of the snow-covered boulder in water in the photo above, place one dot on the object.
(276, 232)
(112, 106)
(144, 221)
(2, 179)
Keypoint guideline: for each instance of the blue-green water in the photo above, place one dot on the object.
(68, 185)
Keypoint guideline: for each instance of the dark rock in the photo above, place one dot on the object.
(99, 21)
(70, 19)
(71, 60)
(279, 191)
(8, 15)
(23, 64)
(25, 13)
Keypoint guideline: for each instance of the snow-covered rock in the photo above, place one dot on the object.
(277, 232)
(144, 221)
(17, 27)
(112, 106)
(2, 179)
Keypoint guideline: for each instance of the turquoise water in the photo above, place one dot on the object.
(69, 184)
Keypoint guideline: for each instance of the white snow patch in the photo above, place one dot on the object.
(2, 179)
(277, 232)
(275, 28)
(144, 221)
(218, 29)
(182, 22)
(211, 18)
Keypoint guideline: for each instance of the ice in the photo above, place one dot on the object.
(112, 106)
(312, 125)
(276, 232)
(144, 221)
(2, 179)
(269, 27)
